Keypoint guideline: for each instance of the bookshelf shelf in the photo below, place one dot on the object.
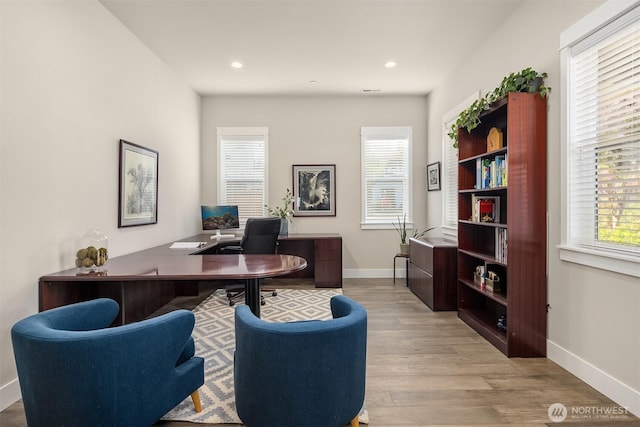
(497, 297)
(483, 224)
(508, 186)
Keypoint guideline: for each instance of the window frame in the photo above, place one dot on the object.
(450, 165)
(398, 132)
(605, 18)
(222, 132)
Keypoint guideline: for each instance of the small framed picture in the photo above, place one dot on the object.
(433, 176)
(314, 190)
(138, 185)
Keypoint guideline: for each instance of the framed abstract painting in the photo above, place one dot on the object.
(314, 190)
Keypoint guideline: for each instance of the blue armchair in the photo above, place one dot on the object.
(309, 373)
(76, 371)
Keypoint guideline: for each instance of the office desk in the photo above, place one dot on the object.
(323, 252)
(144, 281)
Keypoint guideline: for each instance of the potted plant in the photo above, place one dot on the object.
(285, 213)
(401, 228)
(527, 80)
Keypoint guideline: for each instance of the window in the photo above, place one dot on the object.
(450, 168)
(386, 172)
(242, 170)
(602, 145)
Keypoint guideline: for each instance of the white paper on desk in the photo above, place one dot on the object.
(187, 245)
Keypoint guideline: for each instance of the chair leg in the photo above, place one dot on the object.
(355, 422)
(195, 396)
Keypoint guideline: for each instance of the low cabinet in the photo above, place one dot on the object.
(432, 272)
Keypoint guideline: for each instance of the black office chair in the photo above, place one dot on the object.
(260, 237)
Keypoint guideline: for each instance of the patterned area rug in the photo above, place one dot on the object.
(215, 341)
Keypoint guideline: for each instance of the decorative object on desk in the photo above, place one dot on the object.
(215, 341)
(285, 213)
(314, 190)
(433, 177)
(494, 139)
(92, 251)
(527, 80)
(138, 185)
(401, 228)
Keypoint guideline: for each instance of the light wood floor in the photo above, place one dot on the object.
(430, 369)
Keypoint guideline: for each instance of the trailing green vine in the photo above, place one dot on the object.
(527, 80)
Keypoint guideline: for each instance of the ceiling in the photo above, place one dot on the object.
(341, 45)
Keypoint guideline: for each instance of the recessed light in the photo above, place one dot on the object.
(390, 64)
(371, 90)
(236, 64)
(313, 82)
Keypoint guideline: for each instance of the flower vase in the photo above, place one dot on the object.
(284, 227)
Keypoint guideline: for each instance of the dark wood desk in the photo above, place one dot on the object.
(144, 281)
(323, 252)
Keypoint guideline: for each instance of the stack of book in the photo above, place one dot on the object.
(491, 173)
(501, 245)
(485, 209)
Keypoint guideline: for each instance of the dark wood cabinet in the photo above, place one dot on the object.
(432, 272)
(514, 245)
(323, 252)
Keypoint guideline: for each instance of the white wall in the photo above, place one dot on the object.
(324, 130)
(73, 82)
(593, 323)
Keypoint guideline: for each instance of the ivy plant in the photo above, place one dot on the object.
(527, 80)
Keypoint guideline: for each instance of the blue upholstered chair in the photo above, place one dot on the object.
(309, 373)
(75, 371)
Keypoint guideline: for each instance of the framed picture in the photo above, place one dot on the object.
(433, 176)
(138, 186)
(314, 190)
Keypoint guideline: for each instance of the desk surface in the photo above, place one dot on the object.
(162, 262)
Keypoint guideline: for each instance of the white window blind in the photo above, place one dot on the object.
(450, 167)
(450, 178)
(242, 170)
(386, 172)
(603, 147)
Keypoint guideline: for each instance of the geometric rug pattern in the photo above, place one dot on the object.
(214, 338)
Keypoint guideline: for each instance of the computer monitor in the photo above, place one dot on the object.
(216, 218)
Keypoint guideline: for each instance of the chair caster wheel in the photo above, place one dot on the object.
(274, 294)
(232, 303)
(262, 302)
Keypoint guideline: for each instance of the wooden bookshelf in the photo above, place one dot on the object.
(521, 262)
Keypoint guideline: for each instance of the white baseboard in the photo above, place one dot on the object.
(9, 394)
(611, 387)
(380, 273)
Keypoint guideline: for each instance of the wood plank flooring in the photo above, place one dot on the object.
(430, 369)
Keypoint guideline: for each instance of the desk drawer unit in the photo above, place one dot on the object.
(328, 266)
(432, 272)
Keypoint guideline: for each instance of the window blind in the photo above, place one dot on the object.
(450, 178)
(604, 139)
(242, 173)
(386, 171)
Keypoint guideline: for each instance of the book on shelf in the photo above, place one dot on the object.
(491, 173)
(501, 245)
(485, 208)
